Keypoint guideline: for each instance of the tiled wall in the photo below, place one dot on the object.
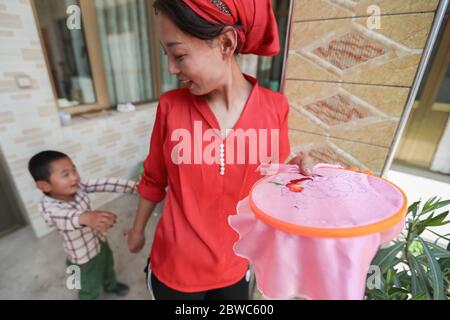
(348, 83)
(110, 146)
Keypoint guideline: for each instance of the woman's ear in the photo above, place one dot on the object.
(228, 41)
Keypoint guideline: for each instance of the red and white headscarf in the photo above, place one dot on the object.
(259, 32)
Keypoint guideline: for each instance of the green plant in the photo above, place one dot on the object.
(412, 268)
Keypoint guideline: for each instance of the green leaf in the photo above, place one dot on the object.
(438, 220)
(376, 295)
(431, 221)
(436, 274)
(433, 204)
(421, 296)
(428, 206)
(398, 293)
(416, 286)
(390, 276)
(438, 251)
(422, 276)
(413, 208)
(439, 235)
(385, 257)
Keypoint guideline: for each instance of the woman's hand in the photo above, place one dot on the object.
(136, 240)
(299, 160)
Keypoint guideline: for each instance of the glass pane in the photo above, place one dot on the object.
(426, 74)
(270, 68)
(444, 93)
(124, 38)
(67, 54)
(168, 81)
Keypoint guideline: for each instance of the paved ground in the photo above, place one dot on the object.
(34, 268)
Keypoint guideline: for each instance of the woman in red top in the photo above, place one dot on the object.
(207, 167)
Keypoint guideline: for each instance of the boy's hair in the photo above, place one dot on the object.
(39, 164)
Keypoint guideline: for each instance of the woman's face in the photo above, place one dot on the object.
(198, 64)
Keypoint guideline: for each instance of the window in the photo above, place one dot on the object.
(270, 69)
(66, 52)
(112, 59)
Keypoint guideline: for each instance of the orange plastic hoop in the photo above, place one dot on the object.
(318, 232)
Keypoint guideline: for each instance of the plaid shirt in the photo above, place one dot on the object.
(81, 243)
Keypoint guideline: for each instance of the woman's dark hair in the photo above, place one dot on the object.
(188, 21)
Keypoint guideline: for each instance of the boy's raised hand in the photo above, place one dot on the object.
(98, 220)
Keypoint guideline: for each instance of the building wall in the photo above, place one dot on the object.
(112, 145)
(347, 86)
(348, 83)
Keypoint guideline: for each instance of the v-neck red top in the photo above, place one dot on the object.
(193, 244)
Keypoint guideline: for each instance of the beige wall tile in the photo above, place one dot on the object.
(346, 51)
(322, 149)
(379, 132)
(330, 9)
(7, 86)
(10, 21)
(32, 54)
(388, 100)
(6, 34)
(94, 162)
(335, 110)
(109, 137)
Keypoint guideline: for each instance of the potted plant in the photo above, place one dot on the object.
(412, 267)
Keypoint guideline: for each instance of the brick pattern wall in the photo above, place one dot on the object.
(101, 147)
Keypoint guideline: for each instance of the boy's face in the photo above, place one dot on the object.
(63, 181)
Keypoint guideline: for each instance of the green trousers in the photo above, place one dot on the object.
(96, 274)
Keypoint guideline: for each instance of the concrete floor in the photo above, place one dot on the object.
(34, 268)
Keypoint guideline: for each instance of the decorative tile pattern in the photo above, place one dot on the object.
(337, 109)
(350, 50)
(306, 10)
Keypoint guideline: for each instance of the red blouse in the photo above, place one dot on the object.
(193, 244)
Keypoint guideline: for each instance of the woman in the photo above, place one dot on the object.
(192, 255)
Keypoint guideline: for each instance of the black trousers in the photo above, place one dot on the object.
(237, 291)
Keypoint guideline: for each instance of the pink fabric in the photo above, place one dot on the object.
(271, 169)
(289, 265)
(357, 199)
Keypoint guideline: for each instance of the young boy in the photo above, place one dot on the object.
(66, 206)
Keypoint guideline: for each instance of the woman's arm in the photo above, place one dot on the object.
(136, 235)
(152, 186)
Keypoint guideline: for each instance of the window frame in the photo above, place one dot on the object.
(98, 74)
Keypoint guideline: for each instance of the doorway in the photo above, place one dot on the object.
(11, 213)
(431, 110)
